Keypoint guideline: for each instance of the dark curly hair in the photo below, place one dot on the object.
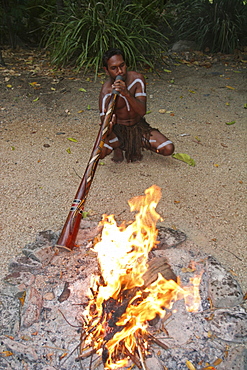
(109, 53)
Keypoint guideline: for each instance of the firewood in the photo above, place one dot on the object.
(155, 266)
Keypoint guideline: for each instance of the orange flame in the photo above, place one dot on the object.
(120, 291)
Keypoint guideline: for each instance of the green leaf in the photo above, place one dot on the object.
(83, 90)
(85, 214)
(148, 112)
(184, 158)
(230, 123)
(167, 70)
(36, 99)
(245, 106)
(68, 150)
(71, 139)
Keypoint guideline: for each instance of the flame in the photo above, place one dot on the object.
(121, 306)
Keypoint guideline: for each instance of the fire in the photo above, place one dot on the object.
(120, 307)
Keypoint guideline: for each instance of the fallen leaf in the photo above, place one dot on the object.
(192, 91)
(101, 163)
(230, 87)
(184, 158)
(34, 84)
(230, 123)
(167, 70)
(190, 365)
(176, 201)
(53, 89)
(63, 355)
(71, 139)
(83, 90)
(88, 107)
(148, 112)
(227, 104)
(26, 337)
(85, 214)
(187, 269)
(169, 111)
(216, 165)
(10, 337)
(224, 145)
(9, 86)
(22, 298)
(36, 99)
(68, 150)
(209, 318)
(245, 106)
(80, 111)
(12, 148)
(6, 353)
(162, 111)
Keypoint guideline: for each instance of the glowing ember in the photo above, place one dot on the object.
(121, 306)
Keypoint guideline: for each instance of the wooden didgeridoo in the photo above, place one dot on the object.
(70, 229)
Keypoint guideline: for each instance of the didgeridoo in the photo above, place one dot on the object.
(70, 229)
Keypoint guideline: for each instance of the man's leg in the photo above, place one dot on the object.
(112, 144)
(160, 144)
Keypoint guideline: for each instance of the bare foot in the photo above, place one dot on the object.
(117, 155)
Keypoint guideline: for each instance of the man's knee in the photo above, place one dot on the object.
(166, 148)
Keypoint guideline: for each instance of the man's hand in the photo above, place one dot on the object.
(120, 86)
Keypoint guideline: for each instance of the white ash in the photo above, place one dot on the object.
(44, 333)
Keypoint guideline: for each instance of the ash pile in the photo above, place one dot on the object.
(45, 293)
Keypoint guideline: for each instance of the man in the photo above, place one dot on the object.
(130, 131)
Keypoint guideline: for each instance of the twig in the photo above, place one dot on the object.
(133, 358)
(141, 357)
(157, 341)
(74, 326)
(85, 354)
(71, 353)
(240, 259)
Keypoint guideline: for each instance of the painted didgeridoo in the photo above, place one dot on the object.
(70, 229)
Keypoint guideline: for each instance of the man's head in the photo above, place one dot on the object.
(110, 53)
(114, 63)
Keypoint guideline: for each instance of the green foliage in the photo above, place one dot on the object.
(219, 25)
(85, 30)
(20, 21)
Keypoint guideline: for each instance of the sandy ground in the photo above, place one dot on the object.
(40, 167)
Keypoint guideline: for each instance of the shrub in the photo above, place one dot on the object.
(85, 30)
(219, 25)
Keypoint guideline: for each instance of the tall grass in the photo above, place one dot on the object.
(219, 25)
(82, 33)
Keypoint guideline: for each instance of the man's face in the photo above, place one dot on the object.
(116, 67)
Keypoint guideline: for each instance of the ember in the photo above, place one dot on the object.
(121, 302)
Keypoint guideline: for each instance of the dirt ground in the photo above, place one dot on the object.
(41, 110)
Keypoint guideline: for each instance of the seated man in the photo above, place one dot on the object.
(130, 131)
